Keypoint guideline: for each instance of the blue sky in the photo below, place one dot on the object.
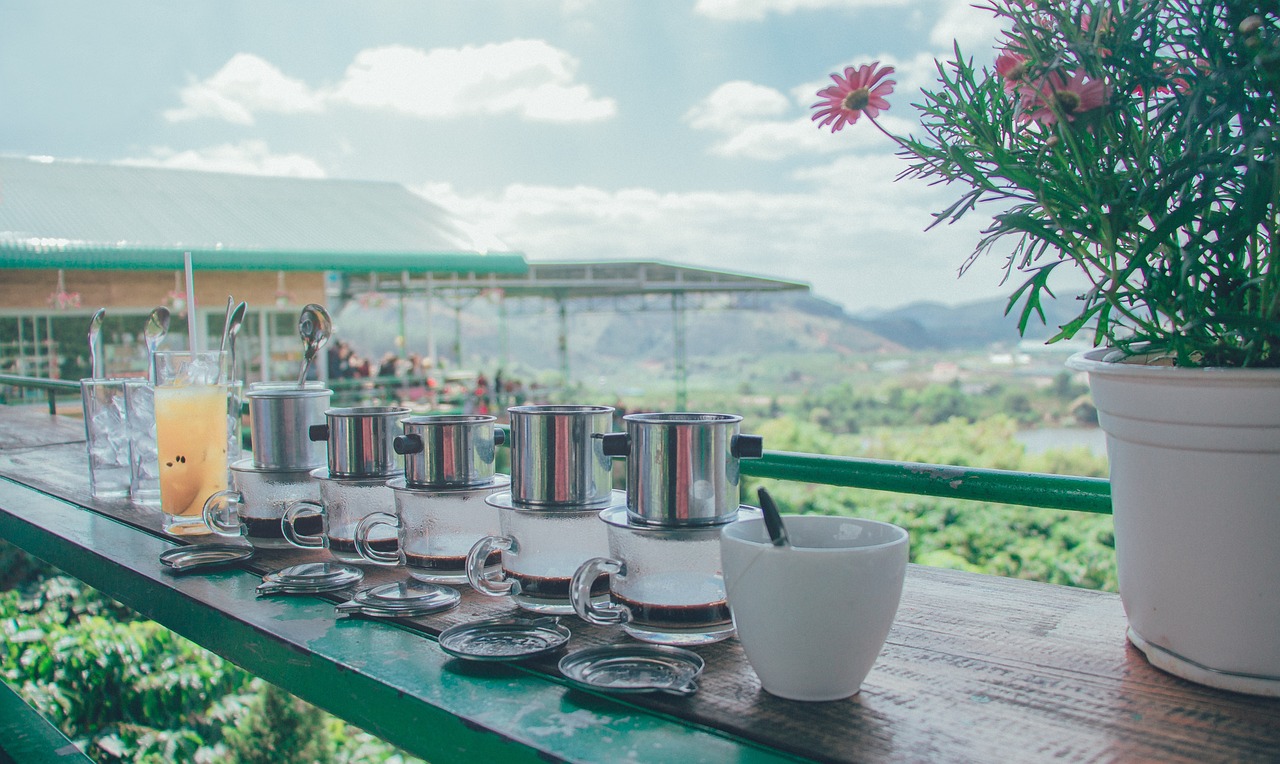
(673, 130)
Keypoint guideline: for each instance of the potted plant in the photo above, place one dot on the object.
(1134, 143)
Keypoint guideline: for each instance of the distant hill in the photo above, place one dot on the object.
(721, 332)
(931, 325)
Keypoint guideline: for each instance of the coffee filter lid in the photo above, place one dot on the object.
(402, 599)
(310, 577)
(628, 668)
(504, 639)
(196, 556)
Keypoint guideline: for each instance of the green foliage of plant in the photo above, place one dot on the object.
(129, 690)
(850, 407)
(1134, 141)
(1055, 546)
(277, 728)
(126, 686)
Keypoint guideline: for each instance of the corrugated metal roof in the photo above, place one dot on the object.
(60, 214)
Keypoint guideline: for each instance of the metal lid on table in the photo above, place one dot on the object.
(196, 556)
(401, 599)
(504, 639)
(310, 578)
(634, 668)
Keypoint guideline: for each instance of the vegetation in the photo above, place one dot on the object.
(129, 690)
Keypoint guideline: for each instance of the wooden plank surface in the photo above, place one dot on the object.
(976, 668)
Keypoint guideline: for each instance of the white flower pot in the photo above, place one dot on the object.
(1195, 487)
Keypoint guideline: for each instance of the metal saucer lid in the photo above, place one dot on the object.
(310, 577)
(401, 599)
(184, 558)
(504, 639)
(634, 668)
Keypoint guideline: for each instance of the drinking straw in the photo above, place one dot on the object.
(193, 331)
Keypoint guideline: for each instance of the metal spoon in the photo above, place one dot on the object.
(226, 323)
(96, 361)
(314, 327)
(233, 329)
(773, 519)
(156, 330)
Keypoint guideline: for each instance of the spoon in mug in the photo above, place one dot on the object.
(156, 330)
(772, 519)
(314, 327)
(96, 361)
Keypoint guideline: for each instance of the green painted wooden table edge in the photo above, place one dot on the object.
(421, 700)
(27, 737)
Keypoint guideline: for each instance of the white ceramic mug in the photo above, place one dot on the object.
(812, 617)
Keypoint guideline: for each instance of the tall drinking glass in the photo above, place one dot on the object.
(144, 465)
(106, 437)
(191, 435)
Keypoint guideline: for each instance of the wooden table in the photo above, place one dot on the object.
(976, 668)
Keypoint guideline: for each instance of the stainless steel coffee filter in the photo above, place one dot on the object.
(360, 440)
(682, 469)
(557, 458)
(280, 420)
(448, 450)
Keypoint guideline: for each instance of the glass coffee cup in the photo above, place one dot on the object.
(540, 551)
(435, 529)
(665, 584)
(254, 507)
(344, 502)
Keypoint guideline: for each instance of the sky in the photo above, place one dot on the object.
(670, 130)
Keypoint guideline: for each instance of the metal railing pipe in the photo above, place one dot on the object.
(1032, 489)
(51, 387)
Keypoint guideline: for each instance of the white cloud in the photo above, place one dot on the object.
(247, 157)
(975, 29)
(245, 85)
(756, 10)
(858, 237)
(736, 103)
(528, 78)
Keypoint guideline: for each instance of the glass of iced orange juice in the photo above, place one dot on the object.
(191, 435)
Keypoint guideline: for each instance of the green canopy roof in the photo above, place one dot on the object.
(61, 214)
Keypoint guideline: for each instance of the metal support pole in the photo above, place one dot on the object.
(52, 348)
(264, 345)
(430, 293)
(457, 333)
(403, 342)
(678, 337)
(503, 338)
(563, 342)
(21, 366)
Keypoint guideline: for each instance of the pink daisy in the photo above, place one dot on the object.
(1012, 67)
(859, 90)
(1074, 96)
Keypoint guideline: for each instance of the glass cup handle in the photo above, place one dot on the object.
(362, 539)
(219, 506)
(580, 592)
(494, 584)
(304, 508)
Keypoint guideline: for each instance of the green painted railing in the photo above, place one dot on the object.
(52, 387)
(1030, 489)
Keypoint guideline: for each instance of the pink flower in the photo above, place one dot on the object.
(859, 90)
(1070, 97)
(1013, 68)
